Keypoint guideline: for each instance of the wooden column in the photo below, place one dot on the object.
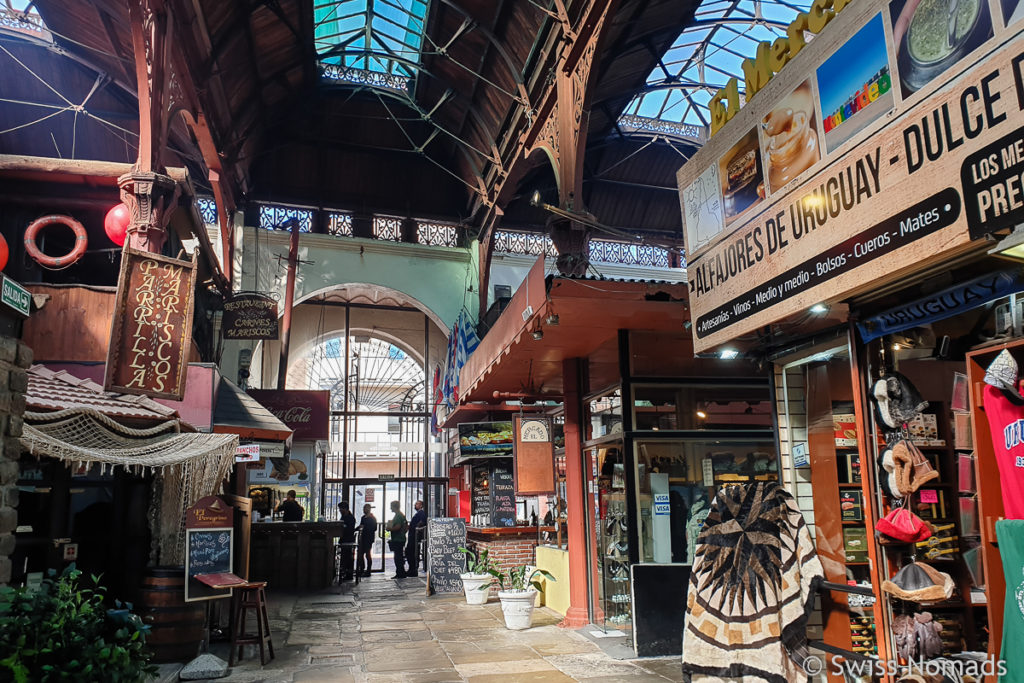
(577, 616)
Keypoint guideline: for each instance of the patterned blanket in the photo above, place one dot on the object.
(752, 587)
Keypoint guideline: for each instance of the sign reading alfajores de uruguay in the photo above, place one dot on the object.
(782, 211)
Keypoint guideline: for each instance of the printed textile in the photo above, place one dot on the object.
(753, 583)
(1010, 534)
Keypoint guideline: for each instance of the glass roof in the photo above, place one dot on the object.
(382, 36)
(707, 54)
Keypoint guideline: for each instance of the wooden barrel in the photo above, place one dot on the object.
(178, 626)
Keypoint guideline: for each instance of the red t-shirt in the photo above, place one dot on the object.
(1006, 420)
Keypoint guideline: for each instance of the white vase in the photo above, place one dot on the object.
(517, 607)
(471, 584)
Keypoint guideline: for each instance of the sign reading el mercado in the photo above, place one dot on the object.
(151, 331)
(250, 315)
(826, 183)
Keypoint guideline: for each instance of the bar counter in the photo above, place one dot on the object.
(294, 555)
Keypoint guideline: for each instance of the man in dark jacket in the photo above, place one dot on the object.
(348, 541)
(412, 549)
(367, 536)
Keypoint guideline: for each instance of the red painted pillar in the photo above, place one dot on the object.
(577, 615)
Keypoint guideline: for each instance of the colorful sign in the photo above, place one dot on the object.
(905, 177)
(15, 296)
(485, 440)
(151, 334)
(250, 316)
(306, 413)
(250, 452)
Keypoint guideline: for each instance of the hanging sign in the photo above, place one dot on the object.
(306, 413)
(249, 452)
(15, 296)
(850, 170)
(533, 455)
(250, 316)
(151, 333)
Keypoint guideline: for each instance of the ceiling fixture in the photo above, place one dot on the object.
(728, 354)
(819, 309)
(538, 334)
(1011, 247)
(701, 414)
(551, 319)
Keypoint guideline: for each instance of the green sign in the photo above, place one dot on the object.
(16, 296)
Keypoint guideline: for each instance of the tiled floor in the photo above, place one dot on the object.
(384, 630)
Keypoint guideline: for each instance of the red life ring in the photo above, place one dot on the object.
(81, 241)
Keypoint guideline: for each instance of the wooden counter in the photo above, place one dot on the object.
(499, 533)
(294, 555)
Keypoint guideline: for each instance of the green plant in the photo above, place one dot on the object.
(516, 578)
(62, 631)
(477, 563)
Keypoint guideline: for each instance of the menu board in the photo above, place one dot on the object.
(503, 497)
(207, 551)
(482, 495)
(445, 535)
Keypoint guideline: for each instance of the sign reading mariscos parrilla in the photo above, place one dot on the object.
(250, 316)
(802, 213)
(151, 331)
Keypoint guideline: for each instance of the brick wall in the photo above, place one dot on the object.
(508, 552)
(15, 357)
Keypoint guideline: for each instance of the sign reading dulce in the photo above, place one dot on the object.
(807, 243)
(250, 316)
(152, 328)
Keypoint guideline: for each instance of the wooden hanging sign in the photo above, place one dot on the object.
(250, 316)
(534, 454)
(151, 331)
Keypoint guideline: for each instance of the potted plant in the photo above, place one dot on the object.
(517, 590)
(477, 579)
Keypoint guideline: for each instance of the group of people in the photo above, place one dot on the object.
(404, 541)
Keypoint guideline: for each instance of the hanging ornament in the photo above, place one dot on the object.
(5, 252)
(115, 224)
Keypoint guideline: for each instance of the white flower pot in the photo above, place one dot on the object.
(471, 584)
(518, 608)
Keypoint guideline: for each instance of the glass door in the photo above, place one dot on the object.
(373, 494)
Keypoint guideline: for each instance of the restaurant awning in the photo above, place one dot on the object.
(236, 412)
(590, 312)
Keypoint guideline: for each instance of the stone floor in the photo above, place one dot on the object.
(384, 630)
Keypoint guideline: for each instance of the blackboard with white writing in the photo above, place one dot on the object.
(207, 551)
(504, 497)
(445, 535)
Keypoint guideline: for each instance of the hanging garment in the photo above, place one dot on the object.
(1006, 421)
(1010, 534)
(753, 584)
(698, 514)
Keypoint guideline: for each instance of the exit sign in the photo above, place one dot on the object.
(16, 296)
(385, 477)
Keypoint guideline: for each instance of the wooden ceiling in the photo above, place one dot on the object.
(285, 133)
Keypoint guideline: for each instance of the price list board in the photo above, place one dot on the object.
(445, 535)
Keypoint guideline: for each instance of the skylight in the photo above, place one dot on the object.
(370, 36)
(706, 55)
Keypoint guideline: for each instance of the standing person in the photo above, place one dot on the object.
(398, 526)
(412, 550)
(348, 540)
(290, 509)
(367, 531)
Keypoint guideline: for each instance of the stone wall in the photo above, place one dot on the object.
(15, 357)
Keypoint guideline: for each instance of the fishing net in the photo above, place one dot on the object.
(185, 467)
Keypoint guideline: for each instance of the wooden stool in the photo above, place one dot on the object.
(250, 596)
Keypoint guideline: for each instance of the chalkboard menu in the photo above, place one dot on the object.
(207, 551)
(482, 496)
(503, 497)
(445, 535)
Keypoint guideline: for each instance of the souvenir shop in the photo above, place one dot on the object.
(863, 245)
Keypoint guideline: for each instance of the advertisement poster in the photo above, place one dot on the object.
(855, 85)
(789, 134)
(485, 439)
(932, 35)
(741, 177)
(294, 471)
(703, 216)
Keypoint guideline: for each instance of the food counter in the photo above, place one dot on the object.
(294, 555)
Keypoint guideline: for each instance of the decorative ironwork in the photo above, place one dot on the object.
(272, 216)
(387, 228)
(688, 131)
(339, 224)
(437, 234)
(628, 254)
(528, 243)
(374, 79)
(207, 209)
(23, 22)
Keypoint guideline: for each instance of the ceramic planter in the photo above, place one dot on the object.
(471, 584)
(517, 607)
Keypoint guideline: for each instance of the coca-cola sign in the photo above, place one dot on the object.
(305, 412)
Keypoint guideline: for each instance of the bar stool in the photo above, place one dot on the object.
(250, 596)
